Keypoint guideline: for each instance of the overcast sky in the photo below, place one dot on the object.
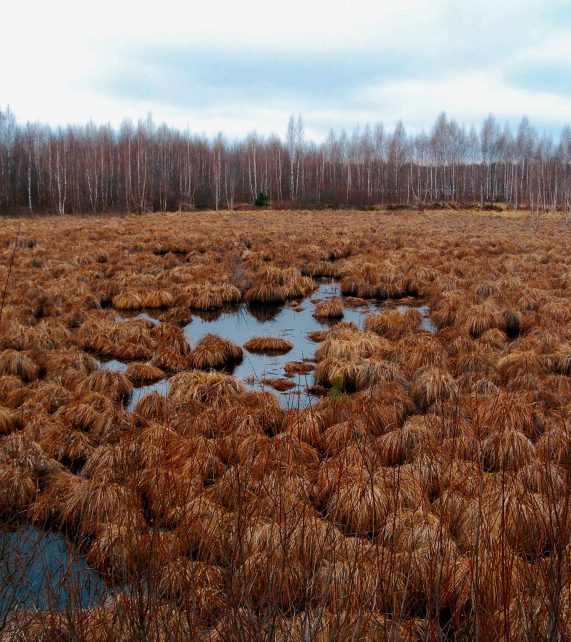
(237, 66)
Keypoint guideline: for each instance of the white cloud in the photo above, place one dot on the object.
(462, 53)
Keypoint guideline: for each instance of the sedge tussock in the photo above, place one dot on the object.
(18, 364)
(170, 337)
(10, 421)
(115, 385)
(495, 339)
(129, 351)
(209, 297)
(13, 393)
(479, 318)
(507, 450)
(560, 362)
(168, 360)
(356, 375)
(152, 407)
(385, 407)
(359, 506)
(89, 502)
(393, 324)
(555, 446)
(128, 301)
(265, 293)
(158, 299)
(268, 345)
(142, 374)
(306, 427)
(116, 551)
(298, 368)
(49, 397)
(422, 352)
(330, 309)
(179, 316)
(509, 410)
(214, 352)
(65, 444)
(203, 386)
(431, 385)
(183, 576)
(108, 463)
(18, 488)
(527, 521)
(347, 343)
(272, 579)
(515, 364)
(437, 577)
(341, 435)
(341, 584)
(206, 530)
(399, 446)
(318, 335)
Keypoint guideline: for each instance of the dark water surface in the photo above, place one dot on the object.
(40, 570)
(242, 322)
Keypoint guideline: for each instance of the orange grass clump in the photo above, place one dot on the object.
(18, 364)
(431, 385)
(214, 352)
(425, 497)
(203, 386)
(393, 324)
(330, 309)
(113, 384)
(142, 374)
(128, 302)
(157, 299)
(268, 345)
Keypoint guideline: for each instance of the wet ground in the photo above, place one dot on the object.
(242, 322)
(40, 570)
(42, 566)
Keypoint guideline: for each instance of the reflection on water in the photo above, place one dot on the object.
(40, 570)
(293, 322)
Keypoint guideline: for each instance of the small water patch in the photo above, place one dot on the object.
(290, 322)
(40, 570)
(145, 316)
(426, 321)
(112, 364)
(241, 322)
(160, 386)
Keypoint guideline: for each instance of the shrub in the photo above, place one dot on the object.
(262, 199)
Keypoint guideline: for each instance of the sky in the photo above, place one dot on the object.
(237, 67)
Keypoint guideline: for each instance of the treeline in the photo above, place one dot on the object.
(144, 167)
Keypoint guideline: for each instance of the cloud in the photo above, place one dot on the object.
(196, 77)
(543, 67)
(242, 66)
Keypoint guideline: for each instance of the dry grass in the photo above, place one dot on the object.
(214, 352)
(203, 386)
(19, 365)
(425, 497)
(278, 384)
(268, 345)
(330, 309)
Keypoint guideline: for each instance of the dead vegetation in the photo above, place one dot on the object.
(268, 345)
(424, 497)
